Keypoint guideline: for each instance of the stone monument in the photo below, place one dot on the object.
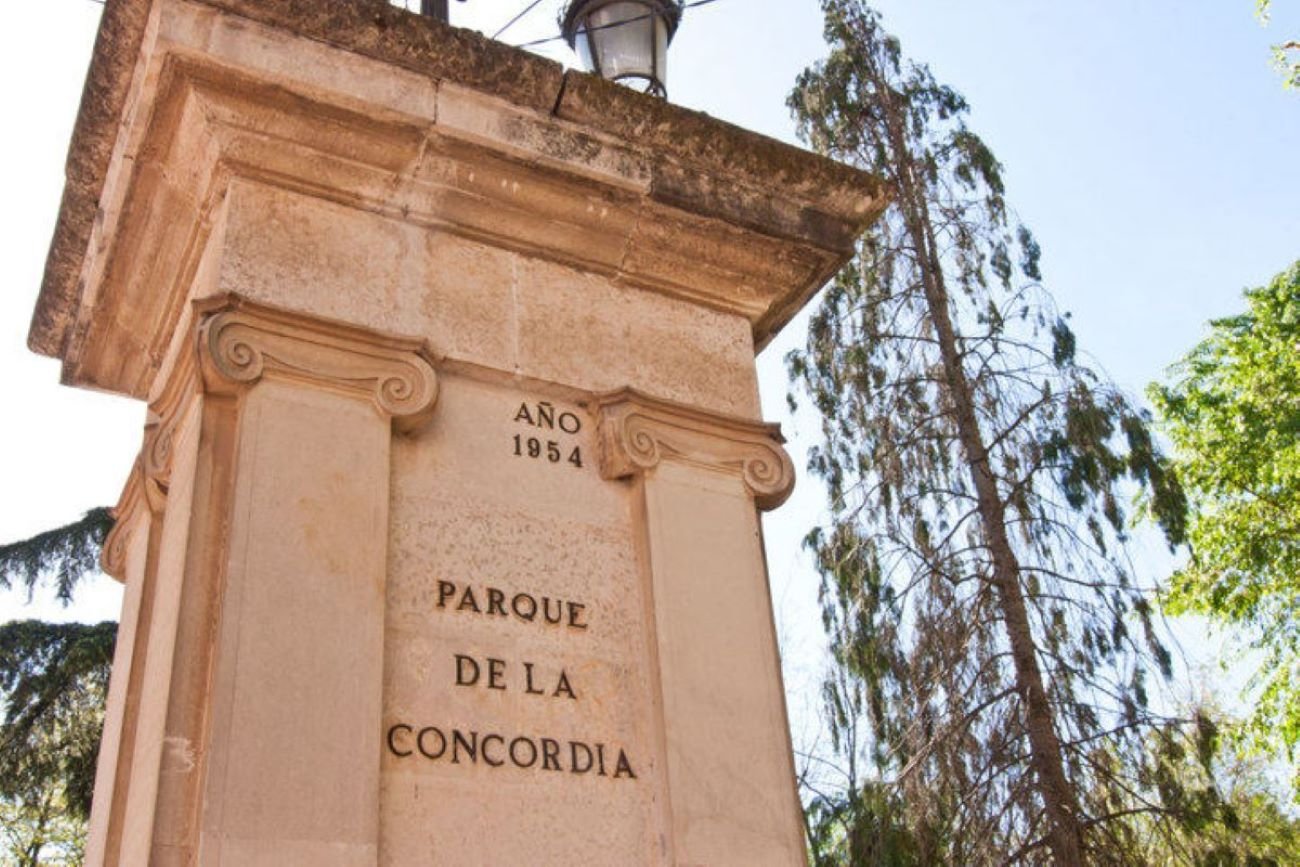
(443, 543)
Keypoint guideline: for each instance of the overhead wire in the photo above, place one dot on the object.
(504, 27)
(559, 37)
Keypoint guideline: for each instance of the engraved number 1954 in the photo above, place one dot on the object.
(535, 448)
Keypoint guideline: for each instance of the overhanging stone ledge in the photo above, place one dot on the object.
(700, 167)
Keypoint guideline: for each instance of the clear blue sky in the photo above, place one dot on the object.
(1148, 145)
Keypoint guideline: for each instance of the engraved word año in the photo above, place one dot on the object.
(543, 416)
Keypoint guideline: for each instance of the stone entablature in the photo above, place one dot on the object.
(190, 95)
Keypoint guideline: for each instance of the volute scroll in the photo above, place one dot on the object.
(131, 507)
(240, 342)
(637, 432)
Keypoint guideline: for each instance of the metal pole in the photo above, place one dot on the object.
(435, 9)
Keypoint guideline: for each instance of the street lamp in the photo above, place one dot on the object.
(624, 40)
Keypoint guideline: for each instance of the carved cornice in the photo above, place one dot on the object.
(433, 127)
(130, 506)
(240, 342)
(637, 431)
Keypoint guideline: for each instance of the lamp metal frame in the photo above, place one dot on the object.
(573, 25)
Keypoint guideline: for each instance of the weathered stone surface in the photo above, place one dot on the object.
(695, 139)
(467, 512)
(117, 47)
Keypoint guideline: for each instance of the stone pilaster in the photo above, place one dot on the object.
(127, 774)
(637, 431)
(253, 539)
(700, 480)
(123, 557)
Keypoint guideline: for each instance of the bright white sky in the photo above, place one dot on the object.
(1148, 145)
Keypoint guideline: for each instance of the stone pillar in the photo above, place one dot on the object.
(530, 627)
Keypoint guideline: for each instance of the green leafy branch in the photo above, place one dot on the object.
(1286, 55)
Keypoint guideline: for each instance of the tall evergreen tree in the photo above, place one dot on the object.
(975, 582)
(53, 685)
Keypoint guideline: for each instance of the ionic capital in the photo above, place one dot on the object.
(161, 422)
(131, 506)
(637, 431)
(240, 342)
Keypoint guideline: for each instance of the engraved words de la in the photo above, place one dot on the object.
(520, 751)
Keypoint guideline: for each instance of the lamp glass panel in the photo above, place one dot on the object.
(661, 50)
(629, 38)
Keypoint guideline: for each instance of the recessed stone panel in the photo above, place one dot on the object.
(518, 704)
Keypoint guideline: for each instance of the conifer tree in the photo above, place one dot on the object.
(53, 686)
(975, 582)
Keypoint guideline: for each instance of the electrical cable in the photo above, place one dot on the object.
(549, 39)
(559, 37)
(529, 8)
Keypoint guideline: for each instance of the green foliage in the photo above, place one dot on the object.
(41, 833)
(1285, 60)
(1233, 413)
(863, 825)
(1286, 56)
(975, 585)
(66, 555)
(53, 682)
(850, 821)
(1224, 812)
(53, 685)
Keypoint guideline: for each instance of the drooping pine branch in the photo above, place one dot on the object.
(64, 556)
(53, 685)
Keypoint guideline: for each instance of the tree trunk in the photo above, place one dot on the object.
(1060, 804)
(32, 856)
